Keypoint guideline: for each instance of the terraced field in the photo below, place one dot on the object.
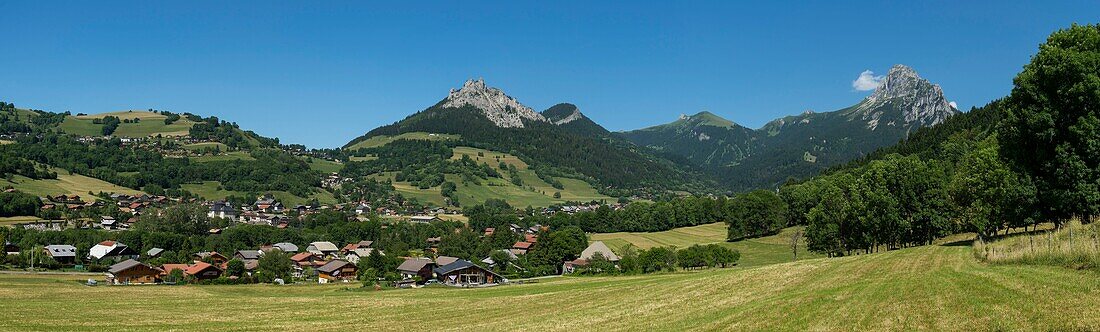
(924, 288)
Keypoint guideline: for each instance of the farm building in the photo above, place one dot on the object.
(111, 251)
(464, 273)
(337, 270)
(203, 271)
(323, 249)
(132, 272)
(591, 250)
(419, 269)
(62, 253)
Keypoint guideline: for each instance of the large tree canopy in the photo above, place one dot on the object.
(1052, 126)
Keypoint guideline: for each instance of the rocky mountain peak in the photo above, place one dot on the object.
(503, 110)
(920, 101)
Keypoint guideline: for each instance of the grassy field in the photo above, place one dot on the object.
(209, 190)
(235, 155)
(206, 145)
(924, 288)
(5, 221)
(326, 166)
(754, 252)
(68, 184)
(377, 141)
(150, 124)
(1074, 245)
(534, 192)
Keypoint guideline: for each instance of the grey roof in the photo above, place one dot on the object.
(249, 254)
(601, 248)
(324, 246)
(364, 252)
(458, 265)
(333, 266)
(286, 247)
(61, 250)
(489, 260)
(444, 260)
(154, 252)
(413, 265)
(124, 265)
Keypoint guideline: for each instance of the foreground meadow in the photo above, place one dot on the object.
(925, 288)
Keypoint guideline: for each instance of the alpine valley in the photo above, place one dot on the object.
(475, 144)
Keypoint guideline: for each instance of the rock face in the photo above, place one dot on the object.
(920, 102)
(504, 111)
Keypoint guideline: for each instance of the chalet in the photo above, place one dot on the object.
(490, 262)
(444, 260)
(108, 222)
(355, 255)
(203, 271)
(132, 272)
(423, 219)
(463, 273)
(358, 245)
(167, 269)
(434, 241)
(62, 253)
(521, 247)
(286, 247)
(248, 255)
(11, 248)
(211, 256)
(323, 249)
(337, 270)
(516, 228)
(222, 210)
(111, 251)
(305, 260)
(154, 253)
(419, 269)
(586, 255)
(268, 204)
(362, 209)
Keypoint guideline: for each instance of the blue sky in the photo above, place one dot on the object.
(323, 74)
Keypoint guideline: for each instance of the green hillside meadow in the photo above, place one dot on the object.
(925, 288)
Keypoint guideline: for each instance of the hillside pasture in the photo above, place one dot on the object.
(765, 250)
(67, 184)
(150, 124)
(923, 288)
(381, 140)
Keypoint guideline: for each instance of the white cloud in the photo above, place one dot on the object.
(954, 105)
(867, 81)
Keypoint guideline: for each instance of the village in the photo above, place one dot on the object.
(312, 262)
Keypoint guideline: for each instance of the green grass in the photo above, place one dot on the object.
(534, 192)
(1074, 246)
(209, 190)
(150, 124)
(377, 141)
(68, 184)
(235, 155)
(754, 252)
(924, 288)
(5, 221)
(206, 145)
(326, 166)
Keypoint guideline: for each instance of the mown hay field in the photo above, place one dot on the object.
(924, 288)
(765, 250)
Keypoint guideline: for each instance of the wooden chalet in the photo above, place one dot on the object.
(131, 272)
(463, 273)
(337, 270)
